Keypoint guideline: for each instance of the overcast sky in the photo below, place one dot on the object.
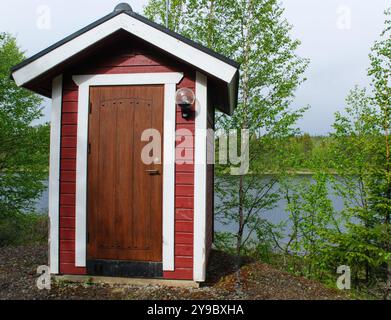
(336, 35)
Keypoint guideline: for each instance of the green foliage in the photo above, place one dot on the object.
(312, 219)
(225, 241)
(360, 235)
(255, 34)
(260, 197)
(156, 11)
(354, 162)
(20, 229)
(300, 154)
(362, 152)
(23, 147)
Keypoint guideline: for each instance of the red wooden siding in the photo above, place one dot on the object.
(68, 179)
(138, 59)
(184, 198)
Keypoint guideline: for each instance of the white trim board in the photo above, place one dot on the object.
(200, 168)
(169, 80)
(162, 40)
(54, 175)
(131, 78)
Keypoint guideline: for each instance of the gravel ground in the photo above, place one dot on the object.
(258, 281)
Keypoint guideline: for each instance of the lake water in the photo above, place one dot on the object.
(278, 214)
(42, 205)
(275, 216)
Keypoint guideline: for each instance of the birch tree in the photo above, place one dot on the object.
(255, 34)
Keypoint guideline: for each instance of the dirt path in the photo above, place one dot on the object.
(259, 281)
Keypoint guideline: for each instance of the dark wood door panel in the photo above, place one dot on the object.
(124, 200)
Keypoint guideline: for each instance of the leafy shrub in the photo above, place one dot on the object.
(20, 229)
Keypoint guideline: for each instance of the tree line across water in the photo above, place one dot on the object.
(354, 159)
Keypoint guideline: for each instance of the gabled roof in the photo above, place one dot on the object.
(123, 18)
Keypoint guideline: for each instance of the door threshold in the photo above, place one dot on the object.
(124, 269)
(127, 281)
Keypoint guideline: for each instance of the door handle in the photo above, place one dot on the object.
(153, 172)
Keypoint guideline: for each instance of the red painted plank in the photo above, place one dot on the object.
(184, 155)
(184, 262)
(68, 176)
(187, 82)
(67, 257)
(70, 269)
(68, 153)
(179, 113)
(69, 130)
(185, 178)
(184, 226)
(184, 214)
(184, 250)
(69, 107)
(184, 190)
(181, 121)
(132, 69)
(67, 199)
(69, 84)
(189, 168)
(179, 274)
(68, 164)
(184, 202)
(68, 188)
(67, 245)
(67, 211)
(131, 60)
(70, 96)
(185, 131)
(68, 222)
(69, 118)
(184, 139)
(69, 142)
(184, 238)
(186, 126)
(67, 234)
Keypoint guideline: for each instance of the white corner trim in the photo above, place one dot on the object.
(169, 178)
(162, 40)
(81, 176)
(200, 178)
(169, 80)
(54, 175)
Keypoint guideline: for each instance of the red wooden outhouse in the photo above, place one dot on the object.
(119, 204)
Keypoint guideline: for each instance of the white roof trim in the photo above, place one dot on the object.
(166, 42)
(133, 78)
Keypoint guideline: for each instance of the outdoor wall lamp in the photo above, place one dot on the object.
(185, 98)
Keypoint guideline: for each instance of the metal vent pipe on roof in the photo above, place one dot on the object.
(123, 7)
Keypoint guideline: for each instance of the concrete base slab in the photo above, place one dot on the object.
(128, 281)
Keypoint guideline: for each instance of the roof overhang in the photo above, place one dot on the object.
(200, 57)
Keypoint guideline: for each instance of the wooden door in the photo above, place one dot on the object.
(124, 196)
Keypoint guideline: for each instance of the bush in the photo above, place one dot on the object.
(21, 229)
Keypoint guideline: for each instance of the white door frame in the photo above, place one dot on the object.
(54, 175)
(169, 80)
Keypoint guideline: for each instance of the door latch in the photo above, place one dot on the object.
(153, 172)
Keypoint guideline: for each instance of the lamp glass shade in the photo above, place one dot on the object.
(185, 96)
